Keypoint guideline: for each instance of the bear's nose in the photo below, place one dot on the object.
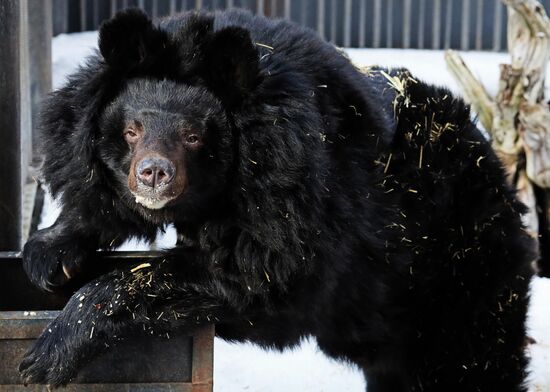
(154, 172)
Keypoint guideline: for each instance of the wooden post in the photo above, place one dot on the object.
(10, 124)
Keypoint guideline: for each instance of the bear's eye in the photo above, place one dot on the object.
(192, 138)
(130, 135)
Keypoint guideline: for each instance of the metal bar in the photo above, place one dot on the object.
(407, 17)
(107, 257)
(321, 18)
(172, 7)
(303, 12)
(113, 7)
(260, 7)
(26, 104)
(421, 23)
(436, 28)
(124, 4)
(479, 25)
(10, 124)
(141, 4)
(389, 24)
(362, 23)
(497, 27)
(273, 8)
(287, 9)
(448, 23)
(347, 23)
(40, 52)
(83, 15)
(377, 24)
(333, 21)
(95, 15)
(60, 18)
(31, 298)
(465, 25)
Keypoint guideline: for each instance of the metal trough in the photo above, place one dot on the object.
(182, 363)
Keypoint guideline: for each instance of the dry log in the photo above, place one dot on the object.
(517, 119)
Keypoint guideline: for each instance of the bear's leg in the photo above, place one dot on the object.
(483, 352)
(53, 256)
(506, 375)
(155, 298)
(384, 382)
(56, 255)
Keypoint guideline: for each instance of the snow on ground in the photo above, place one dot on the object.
(244, 367)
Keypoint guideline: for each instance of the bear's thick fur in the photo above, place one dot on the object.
(364, 209)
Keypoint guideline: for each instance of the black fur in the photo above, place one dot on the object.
(323, 202)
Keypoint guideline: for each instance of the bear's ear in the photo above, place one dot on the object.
(129, 39)
(231, 65)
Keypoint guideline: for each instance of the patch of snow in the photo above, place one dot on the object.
(538, 322)
(241, 367)
(68, 52)
(246, 367)
(430, 65)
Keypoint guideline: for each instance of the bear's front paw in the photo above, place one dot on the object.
(49, 263)
(49, 360)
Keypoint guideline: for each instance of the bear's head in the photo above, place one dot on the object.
(166, 142)
(179, 120)
(166, 136)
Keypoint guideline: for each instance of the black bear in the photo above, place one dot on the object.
(362, 208)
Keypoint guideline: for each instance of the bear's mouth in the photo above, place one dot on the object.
(153, 199)
(152, 203)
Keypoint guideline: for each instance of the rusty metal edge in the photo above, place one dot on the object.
(141, 387)
(31, 315)
(202, 372)
(23, 324)
(101, 254)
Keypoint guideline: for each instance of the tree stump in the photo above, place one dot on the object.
(518, 118)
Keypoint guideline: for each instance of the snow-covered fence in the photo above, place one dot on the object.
(422, 24)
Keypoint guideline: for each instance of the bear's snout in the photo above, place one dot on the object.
(155, 171)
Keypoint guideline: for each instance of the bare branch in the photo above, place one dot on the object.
(534, 128)
(474, 92)
(529, 44)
